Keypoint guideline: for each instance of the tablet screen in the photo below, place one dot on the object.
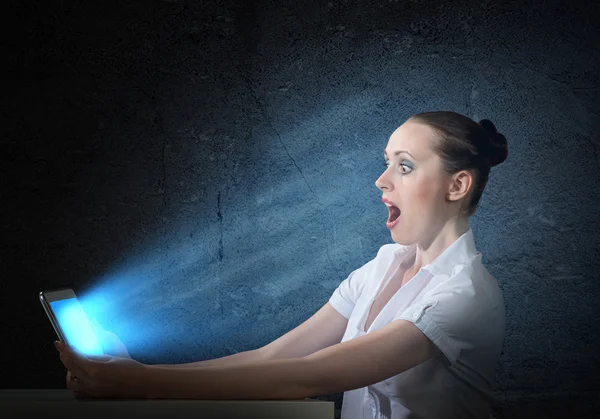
(76, 326)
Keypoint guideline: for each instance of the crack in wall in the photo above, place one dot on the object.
(220, 217)
(268, 122)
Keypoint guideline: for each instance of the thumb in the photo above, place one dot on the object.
(100, 358)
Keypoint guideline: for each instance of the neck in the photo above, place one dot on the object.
(431, 247)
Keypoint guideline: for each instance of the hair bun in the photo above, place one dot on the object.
(488, 126)
(498, 143)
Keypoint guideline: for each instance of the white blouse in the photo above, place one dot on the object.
(458, 305)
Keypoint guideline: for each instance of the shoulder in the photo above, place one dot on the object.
(474, 280)
(471, 295)
(464, 310)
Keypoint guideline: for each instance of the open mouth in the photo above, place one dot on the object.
(393, 213)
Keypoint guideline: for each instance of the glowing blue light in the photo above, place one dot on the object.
(76, 326)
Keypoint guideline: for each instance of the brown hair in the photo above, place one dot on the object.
(464, 144)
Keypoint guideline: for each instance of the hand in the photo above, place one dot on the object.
(102, 376)
(76, 394)
(111, 344)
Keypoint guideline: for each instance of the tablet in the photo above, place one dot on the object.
(69, 320)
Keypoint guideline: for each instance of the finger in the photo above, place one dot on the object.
(76, 385)
(70, 352)
(79, 389)
(71, 377)
(81, 359)
(73, 366)
(64, 348)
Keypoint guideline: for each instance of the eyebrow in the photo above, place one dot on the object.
(399, 152)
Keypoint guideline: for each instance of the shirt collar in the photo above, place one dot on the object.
(460, 252)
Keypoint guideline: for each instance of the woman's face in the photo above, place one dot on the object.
(415, 182)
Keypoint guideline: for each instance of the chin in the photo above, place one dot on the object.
(399, 237)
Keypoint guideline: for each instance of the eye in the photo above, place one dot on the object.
(387, 162)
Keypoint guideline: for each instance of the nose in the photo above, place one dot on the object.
(380, 182)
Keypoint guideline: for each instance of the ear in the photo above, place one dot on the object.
(460, 184)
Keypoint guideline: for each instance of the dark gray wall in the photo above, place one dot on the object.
(208, 169)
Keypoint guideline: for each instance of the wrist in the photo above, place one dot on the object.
(145, 382)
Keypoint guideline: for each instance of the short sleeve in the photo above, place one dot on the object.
(344, 297)
(454, 318)
(347, 293)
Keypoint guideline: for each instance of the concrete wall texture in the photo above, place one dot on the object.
(203, 173)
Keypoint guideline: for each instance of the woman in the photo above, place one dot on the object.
(415, 332)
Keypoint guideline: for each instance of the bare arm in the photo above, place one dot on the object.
(325, 328)
(235, 359)
(383, 353)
